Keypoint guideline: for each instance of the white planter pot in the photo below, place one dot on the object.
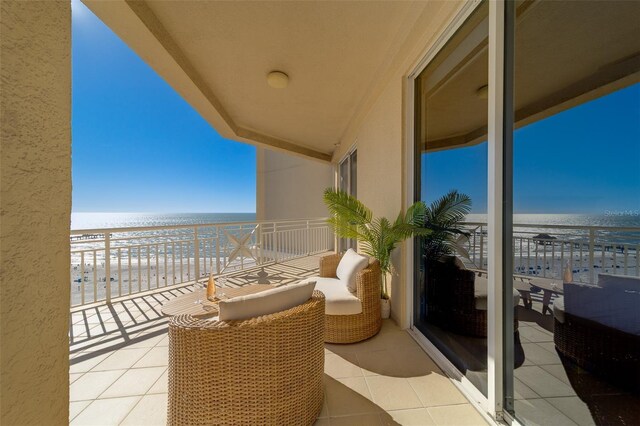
(385, 308)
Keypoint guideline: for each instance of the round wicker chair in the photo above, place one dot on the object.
(357, 327)
(262, 371)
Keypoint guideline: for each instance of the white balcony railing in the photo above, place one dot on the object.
(588, 250)
(116, 262)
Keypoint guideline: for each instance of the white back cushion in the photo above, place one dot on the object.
(350, 264)
(266, 302)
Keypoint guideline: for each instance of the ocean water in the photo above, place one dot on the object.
(621, 228)
(97, 220)
(628, 223)
(622, 219)
(613, 240)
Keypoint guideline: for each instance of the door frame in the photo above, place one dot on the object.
(492, 405)
(346, 157)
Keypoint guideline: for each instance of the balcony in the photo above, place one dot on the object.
(150, 258)
(118, 335)
(119, 355)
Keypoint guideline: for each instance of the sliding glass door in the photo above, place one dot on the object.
(576, 202)
(527, 151)
(451, 162)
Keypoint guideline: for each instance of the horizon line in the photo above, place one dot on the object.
(161, 212)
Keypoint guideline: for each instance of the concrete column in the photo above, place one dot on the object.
(35, 211)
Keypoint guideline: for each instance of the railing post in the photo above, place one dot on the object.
(592, 247)
(107, 264)
(196, 253)
(260, 242)
(217, 249)
(481, 248)
(308, 240)
(275, 242)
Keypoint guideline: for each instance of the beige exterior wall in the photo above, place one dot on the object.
(380, 132)
(380, 169)
(35, 208)
(290, 187)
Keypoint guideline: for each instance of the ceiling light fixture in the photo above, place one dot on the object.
(278, 79)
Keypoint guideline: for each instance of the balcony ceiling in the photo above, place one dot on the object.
(567, 53)
(217, 56)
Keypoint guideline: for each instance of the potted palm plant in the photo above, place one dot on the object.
(378, 237)
(444, 217)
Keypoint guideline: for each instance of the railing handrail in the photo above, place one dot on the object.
(316, 219)
(582, 227)
(138, 258)
(191, 226)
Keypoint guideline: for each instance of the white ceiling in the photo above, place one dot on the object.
(333, 52)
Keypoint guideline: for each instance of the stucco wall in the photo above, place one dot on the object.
(35, 207)
(290, 187)
(380, 168)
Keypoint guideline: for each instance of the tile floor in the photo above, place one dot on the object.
(550, 391)
(118, 370)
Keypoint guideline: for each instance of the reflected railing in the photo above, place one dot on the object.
(546, 250)
(113, 262)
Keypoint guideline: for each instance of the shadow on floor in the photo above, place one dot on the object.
(344, 401)
(533, 316)
(608, 403)
(97, 329)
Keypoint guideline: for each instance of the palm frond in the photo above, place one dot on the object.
(416, 214)
(343, 229)
(449, 209)
(443, 218)
(378, 238)
(348, 208)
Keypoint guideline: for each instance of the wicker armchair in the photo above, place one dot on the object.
(593, 327)
(452, 300)
(356, 327)
(262, 371)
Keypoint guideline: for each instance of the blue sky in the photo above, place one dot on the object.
(137, 145)
(583, 160)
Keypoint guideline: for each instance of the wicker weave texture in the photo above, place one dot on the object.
(451, 301)
(354, 328)
(329, 265)
(263, 371)
(604, 351)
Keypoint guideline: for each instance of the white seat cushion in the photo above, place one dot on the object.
(338, 299)
(266, 302)
(350, 264)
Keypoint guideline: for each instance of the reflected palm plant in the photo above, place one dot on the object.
(351, 219)
(444, 218)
